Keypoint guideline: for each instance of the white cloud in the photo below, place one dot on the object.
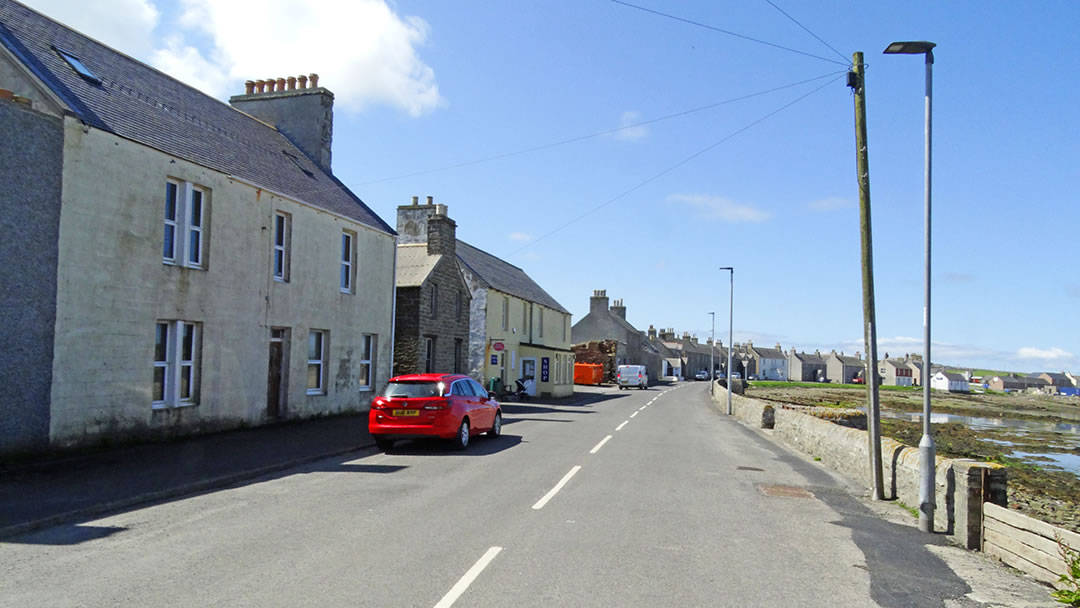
(628, 132)
(1051, 354)
(362, 50)
(720, 208)
(125, 25)
(519, 236)
(831, 203)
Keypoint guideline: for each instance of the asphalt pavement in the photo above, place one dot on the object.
(618, 498)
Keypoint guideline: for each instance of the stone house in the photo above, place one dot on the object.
(670, 359)
(192, 268)
(771, 363)
(806, 367)
(431, 331)
(843, 369)
(516, 329)
(1006, 383)
(1054, 379)
(895, 372)
(609, 323)
(949, 381)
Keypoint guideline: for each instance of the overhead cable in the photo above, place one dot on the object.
(730, 33)
(673, 167)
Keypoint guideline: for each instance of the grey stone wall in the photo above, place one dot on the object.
(961, 483)
(31, 162)
(415, 321)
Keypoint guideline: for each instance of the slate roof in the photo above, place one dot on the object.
(770, 353)
(954, 376)
(414, 265)
(810, 358)
(137, 102)
(853, 361)
(498, 274)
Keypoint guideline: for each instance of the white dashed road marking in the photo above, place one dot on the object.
(625, 422)
(470, 576)
(600, 445)
(562, 482)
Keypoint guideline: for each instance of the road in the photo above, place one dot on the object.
(638, 498)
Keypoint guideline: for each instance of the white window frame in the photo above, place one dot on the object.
(177, 364)
(184, 225)
(318, 361)
(281, 234)
(429, 354)
(368, 344)
(348, 261)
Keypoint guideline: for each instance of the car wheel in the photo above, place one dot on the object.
(461, 441)
(496, 426)
(384, 443)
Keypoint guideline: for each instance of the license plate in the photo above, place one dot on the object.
(401, 413)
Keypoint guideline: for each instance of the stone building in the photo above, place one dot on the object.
(194, 267)
(604, 323)
(843, 369)
(806, 367)
(431, 332)
(516, 329)
(771, 363)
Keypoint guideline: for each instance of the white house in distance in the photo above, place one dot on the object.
(949, 381)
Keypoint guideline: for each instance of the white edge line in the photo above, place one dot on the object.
(634, 414)
(600, 445)
(562, 482)
(625, 422)
(643, 407)
(466, 580)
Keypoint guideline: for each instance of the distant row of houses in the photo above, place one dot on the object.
(669, 355)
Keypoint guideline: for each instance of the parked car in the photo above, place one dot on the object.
(702, 375)
(752, 377)
(630, 376)
(736, 376)
(447, 406)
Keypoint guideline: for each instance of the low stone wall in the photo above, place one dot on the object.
(962, 484)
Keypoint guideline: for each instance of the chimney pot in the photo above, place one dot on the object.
(431, 200)
(416, 200)
(270, 85)
(249, 87)
(302, 80)
(440, 210)
(314, 79)
(260, 86)
(281, 84)
(291, 81)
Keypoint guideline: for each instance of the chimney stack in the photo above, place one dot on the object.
(618, 309)
(598, 303)
(441, 233)
(305, 115)
(652, 332)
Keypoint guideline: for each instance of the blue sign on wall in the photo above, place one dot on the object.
(545, 367)
(494, 359)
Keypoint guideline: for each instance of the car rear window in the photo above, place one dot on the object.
(402, 390)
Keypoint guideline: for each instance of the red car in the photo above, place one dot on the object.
(448, 406)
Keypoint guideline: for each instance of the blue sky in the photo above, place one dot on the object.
(425, 87)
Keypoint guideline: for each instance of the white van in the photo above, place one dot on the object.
(629, 376)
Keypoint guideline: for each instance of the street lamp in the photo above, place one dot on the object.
(927, 501)
(712, 351)
(731, 316)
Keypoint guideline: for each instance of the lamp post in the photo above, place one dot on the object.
(731, 316)
(712, 351)
(927, 501)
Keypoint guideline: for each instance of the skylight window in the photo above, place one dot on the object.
(78, 66)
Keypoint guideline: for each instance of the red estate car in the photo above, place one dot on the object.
(448, 406)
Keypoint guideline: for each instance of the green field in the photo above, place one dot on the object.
(784, 384)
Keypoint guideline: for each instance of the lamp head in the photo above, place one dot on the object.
(909, 48)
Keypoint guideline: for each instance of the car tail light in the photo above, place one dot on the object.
(438, 405)
(379, 404)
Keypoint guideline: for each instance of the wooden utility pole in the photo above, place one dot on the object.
(857, 81)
